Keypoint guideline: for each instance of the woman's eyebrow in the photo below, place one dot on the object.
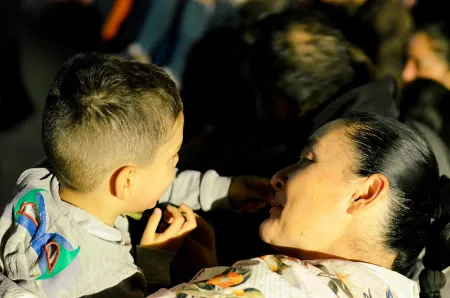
(310, 143)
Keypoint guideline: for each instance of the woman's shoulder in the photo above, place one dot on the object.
(283, 276)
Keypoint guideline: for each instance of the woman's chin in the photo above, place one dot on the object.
(267, 230)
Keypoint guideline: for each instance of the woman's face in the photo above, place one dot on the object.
(424, 62)
(313, 195)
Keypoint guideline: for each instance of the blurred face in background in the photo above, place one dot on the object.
(409, 3)
(425, 62)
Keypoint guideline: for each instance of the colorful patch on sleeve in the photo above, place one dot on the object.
(54, 252)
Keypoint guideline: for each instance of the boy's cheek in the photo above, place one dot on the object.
(152, 204)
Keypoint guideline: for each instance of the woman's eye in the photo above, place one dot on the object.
(304, 160)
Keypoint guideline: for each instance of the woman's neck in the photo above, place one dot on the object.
(354, 246)
(381, 259)
(355, 249)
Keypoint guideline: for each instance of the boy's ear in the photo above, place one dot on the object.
(373, 190)
(122, 182)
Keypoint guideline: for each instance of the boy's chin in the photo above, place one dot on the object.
(141, 208)
(151, 206)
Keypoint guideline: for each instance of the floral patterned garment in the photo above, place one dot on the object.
(275, 276)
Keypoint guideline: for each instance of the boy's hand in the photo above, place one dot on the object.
(180, 222)
(250, 193)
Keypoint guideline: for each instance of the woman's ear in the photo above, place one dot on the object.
(373, 190)
(122, 182)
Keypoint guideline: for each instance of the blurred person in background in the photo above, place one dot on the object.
(196, 18)
(429, 54)
(216, 72)
(269, 64)
(298, 64)
(379, 28)
(194, 22)
(391, 24)
(428, 102)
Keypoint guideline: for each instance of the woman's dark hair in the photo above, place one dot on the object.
(439, 33)
(386, 146)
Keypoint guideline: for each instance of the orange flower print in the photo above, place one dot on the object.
(276, 263)
(271, 261)
(342, 277)
(230, 278)
(226, 280)
(239, 293)
(189, 292)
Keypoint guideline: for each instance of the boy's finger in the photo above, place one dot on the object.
(168, 218)
(177, 223)
(152, 224)
(162, 227)
(191, 222)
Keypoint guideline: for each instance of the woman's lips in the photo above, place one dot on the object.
(276, 211)
(279, 200)
(278, 204)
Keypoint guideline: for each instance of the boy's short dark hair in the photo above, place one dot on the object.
(103, 112)
(299, 55)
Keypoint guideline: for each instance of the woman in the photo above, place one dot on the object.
(429, 54)
(357, 209)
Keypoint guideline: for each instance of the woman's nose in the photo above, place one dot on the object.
(279, 180)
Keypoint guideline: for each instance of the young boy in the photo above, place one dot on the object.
(112, 129)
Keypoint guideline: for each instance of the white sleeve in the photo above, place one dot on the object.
(198, 190)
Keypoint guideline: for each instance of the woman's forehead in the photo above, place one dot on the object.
(329, 130)
(330, 138)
